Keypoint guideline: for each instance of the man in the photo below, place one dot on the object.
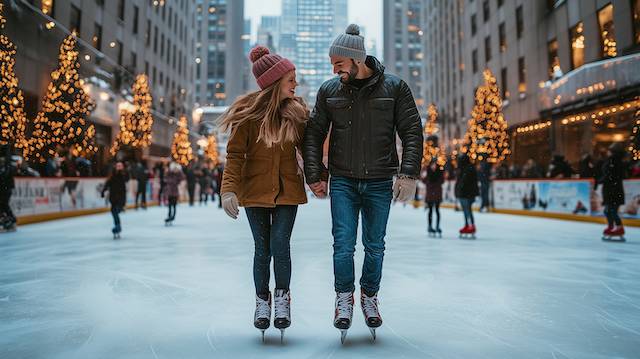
(363, 108)
(141, 175)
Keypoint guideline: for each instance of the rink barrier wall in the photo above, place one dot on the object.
(38, 199)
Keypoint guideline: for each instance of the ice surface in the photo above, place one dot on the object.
(527, 288)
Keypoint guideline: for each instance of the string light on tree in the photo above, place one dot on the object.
(634, 140)
(66, 107)
(135, 127)
(486, 138)
(212, 149)
(11, 99)
(431, 149)
(181, 150)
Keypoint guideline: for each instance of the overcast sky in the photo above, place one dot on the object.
(367, 13)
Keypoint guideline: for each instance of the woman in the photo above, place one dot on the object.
(613, 174)
(262, 175)
(466, 191)
(434, 180)
(172, 180)
(117, 186)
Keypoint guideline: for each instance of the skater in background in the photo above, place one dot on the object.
(159, 171)
(365, 109)
(217, 178)
(117, 186)
(7, 184)
(466, 191)
(484, 175)
(613, 173)
(190, 174)
(433, 181)
(204, 179)
(263, 176)
(141, 175)
(172, 178)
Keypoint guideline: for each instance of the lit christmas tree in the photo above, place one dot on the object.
(181, 150)
(212, 149)
(63, 121)
(634, 140)
(135, 127)
(431, 148)
(11, 99)
(486, 138)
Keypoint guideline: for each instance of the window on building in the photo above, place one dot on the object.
(607, 31)
(553, 60)
(155, 40)
(522, 76)
(474, 26)
(148, 33)
(134, 62)
(502, 33)
(100, 2)
(474, 60)
(500, 3)
(503, 83)
(519, 21)
(120, 53)
(485, 10)
(96, 40)
(121, 7)
(161, 45)
(577, 45)
(487, 49)
(75, 18)
(635, 5)
(135, 19)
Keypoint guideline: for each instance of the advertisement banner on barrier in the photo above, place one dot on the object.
(631, 206)
(568, 196)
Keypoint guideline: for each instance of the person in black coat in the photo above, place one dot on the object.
(466, 191)
(7, 184)
(613, 173)
(191, 182)
(117, 186)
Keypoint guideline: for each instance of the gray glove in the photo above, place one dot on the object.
(230, 204)
(404, 189)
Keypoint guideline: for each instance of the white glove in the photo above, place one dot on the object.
(230, 204)
(404, 189)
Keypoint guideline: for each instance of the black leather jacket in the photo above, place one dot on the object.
(363, 127)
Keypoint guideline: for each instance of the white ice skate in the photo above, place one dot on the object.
(262, 317)
(371, 313)
(343, 313)
(282, 306)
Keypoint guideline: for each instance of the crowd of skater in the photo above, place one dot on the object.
(362, 110)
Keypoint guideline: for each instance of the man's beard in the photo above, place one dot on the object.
(353, 72)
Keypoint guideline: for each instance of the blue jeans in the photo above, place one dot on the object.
(466, 209)
(271, 229)
(349, 197)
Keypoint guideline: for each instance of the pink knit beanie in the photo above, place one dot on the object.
(268, 68)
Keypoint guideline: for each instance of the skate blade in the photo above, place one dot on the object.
(262, 330)
(373, 333)
(281, 336)
(343, 335)
(614, 239)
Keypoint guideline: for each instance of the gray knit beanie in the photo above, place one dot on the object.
(350, 44)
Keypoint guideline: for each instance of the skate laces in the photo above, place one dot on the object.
(282, 305)
(344, 304)
(370, 306)
(263, 308)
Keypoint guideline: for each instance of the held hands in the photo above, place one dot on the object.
(230, 204)
(319, 189)
(404, 189)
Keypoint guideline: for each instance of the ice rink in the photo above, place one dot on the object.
(526, 288)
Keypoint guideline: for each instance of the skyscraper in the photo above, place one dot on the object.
(219, 50)
(269, 32)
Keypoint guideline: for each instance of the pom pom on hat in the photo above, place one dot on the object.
(353, 29)
(257, 52)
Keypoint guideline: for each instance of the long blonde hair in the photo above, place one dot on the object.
(280, 119)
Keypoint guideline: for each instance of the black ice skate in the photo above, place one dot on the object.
(282, 315)
(116, 232)
(168, 221)
(371, 312)
(262, 317)
(431, 231)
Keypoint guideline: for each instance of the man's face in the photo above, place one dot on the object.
(344, 67)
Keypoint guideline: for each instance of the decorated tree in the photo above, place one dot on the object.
(431, 147)
(11, 99)
(212, 149)
(181, 150)
(486, 138)
(135, 127)
(63, 121)
(634, 140)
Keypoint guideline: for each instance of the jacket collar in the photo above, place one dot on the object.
(378, 72)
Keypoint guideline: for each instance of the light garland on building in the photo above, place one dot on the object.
(136, 126)
(598, 114)
(634, 139)
(486, 138)
(533, 127)
(11, 99)
(181, 150)
(63, 121)
(212, 149)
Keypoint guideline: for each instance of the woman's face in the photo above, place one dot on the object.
(288, 85)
